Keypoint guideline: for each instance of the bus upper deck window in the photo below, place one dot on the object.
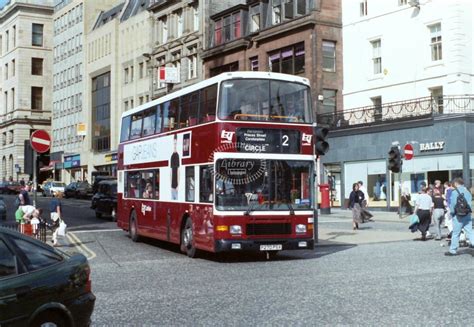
(125, 129)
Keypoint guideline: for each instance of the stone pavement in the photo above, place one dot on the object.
(336, 229)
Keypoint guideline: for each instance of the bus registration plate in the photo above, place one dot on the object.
(271, 247)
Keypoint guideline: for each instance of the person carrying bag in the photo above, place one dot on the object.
(58, 226)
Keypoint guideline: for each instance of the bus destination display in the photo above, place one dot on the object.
(268, 140)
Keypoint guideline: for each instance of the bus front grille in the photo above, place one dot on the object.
(269, 229)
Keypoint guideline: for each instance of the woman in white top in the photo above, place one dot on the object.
(423, 209)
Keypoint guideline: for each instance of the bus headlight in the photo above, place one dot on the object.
(300, 228)
(235, 229)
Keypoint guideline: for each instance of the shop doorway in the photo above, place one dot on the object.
(442, 175)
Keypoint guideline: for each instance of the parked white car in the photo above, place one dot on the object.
(51, 188)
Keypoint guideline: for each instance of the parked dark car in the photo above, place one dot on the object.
(104, 202)
(4, 188)
(3, 211)
(14, 187)
(98, 179)
(41, 286)
(70, 190)
(84, 190)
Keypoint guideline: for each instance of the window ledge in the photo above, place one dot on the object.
(375, 77)
(438, 63)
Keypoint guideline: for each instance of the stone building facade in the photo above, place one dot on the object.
(73, 19)
(117, 79)
(26, 61)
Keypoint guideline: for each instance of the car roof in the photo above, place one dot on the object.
(11, 232)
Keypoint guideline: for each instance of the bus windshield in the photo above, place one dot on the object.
(265, 100)
(258, 184)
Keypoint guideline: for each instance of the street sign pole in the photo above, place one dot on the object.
(400, 193)
(35, 182)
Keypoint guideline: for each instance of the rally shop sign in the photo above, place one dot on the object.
(40, 141)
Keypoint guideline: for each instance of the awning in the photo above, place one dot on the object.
(49, 167)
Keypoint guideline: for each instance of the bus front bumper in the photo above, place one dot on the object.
(264, 245)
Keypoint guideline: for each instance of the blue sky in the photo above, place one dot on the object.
(2, 3)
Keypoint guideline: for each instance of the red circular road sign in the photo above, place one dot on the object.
(408, 151)
(40, 141)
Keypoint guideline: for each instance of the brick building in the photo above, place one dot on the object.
(294, 37)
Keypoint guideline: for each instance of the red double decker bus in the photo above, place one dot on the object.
(224, 165)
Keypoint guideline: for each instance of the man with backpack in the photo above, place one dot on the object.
(460, 208)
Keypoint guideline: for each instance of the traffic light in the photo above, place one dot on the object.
(321, 146)
(395, 159)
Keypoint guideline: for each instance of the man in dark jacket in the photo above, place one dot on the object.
(460, 222)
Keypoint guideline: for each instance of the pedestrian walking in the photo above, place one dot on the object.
(423, 209)
(439, 207)
(55, 208)
(365, 202)
(355, 199)
(460, 208)
(448, 219)
(406, 205)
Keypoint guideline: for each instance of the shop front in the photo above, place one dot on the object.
(72, 165)
(110, 164)
(442, 151)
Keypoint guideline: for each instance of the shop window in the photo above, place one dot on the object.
(136, 126)
(208, 101)
(190, 184)
(205, 184)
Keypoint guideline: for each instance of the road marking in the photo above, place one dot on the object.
(88, 253)
(97, 231)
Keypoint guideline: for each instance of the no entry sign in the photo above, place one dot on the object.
(408, 151)
(40, 141)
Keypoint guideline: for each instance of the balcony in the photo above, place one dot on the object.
(389, 113)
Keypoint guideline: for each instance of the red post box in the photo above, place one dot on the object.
(325, 205)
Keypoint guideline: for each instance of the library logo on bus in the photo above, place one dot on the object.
(238, 171)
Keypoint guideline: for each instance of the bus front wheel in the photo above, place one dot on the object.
(133, 230)
(187, 244)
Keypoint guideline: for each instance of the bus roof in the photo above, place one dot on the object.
(217, 79)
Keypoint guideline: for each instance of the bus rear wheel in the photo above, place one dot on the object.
(187, 244)
(133, 230)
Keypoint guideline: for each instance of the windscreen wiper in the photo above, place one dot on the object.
(292, 211)
(249, 209)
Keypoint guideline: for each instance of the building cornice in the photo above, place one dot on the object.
(28, 7)
(242, 43)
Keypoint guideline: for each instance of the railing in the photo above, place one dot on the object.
(398, 111)
(37, 231)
